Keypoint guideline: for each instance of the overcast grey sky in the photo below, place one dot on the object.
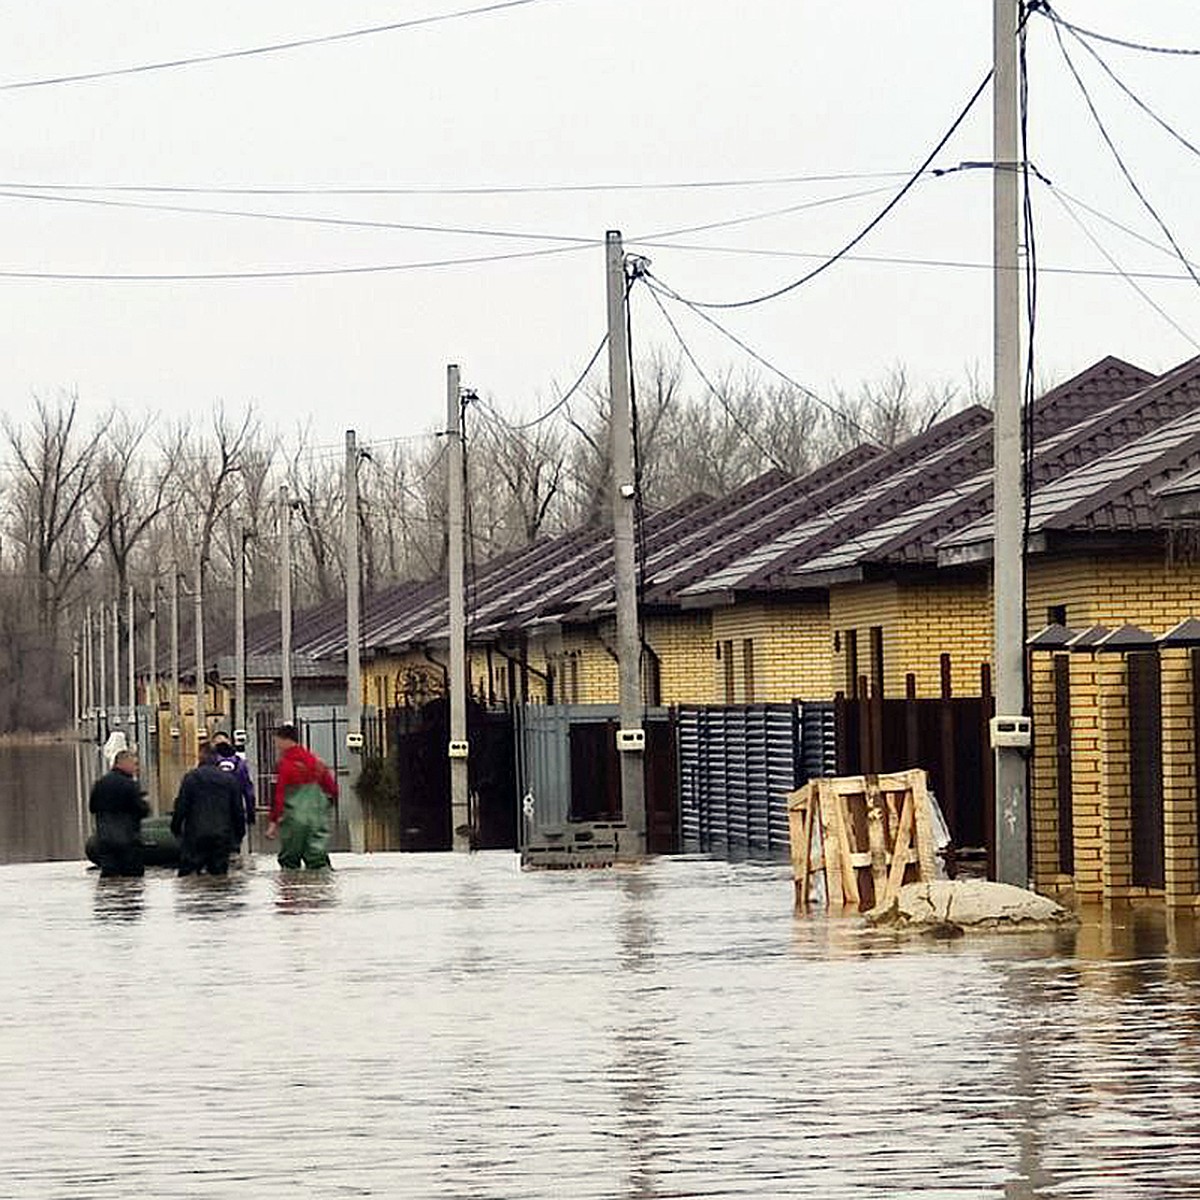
(556, 92)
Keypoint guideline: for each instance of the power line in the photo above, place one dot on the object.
(1120, 161)
(269, 48)
(656, 285)
(724, 401)
(909, 261)
(1129, 279)
(871, 225)
(1079, 31)
(562, 401)
(300, 218)
(444, 190)
(283, 273)
(1161, 121)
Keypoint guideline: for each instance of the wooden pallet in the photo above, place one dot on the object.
(867, 834)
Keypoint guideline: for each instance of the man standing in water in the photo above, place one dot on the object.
(118, 804)
(304, 791)
(209, 818)
(233, 763)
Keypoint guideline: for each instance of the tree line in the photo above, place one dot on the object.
(91, 506)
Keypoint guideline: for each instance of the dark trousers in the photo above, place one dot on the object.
(119, 859)
(204, 854)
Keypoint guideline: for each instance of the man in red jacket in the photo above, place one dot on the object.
(304, 790)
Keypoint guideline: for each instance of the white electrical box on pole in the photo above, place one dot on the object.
(631, 738)
(351, 807)
(1008, 552)
(201, 673)
(240, 725)
(287, 703)
(176, 714)
(459, 748)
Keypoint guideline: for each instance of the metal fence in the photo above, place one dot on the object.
(737, 764)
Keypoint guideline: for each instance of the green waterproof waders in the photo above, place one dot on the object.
(304, 830)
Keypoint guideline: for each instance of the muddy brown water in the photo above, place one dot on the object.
(441, 1026)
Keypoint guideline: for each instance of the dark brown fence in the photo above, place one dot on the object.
(1145, 768)
(947, 736)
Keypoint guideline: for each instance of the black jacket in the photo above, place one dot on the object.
(209, 807)
(118, 805)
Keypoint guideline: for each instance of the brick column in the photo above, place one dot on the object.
(1179, 777)
(1044, 775)
(1116, 828)
(1085, 769)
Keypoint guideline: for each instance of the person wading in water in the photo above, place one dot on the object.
(209, 818)
(304, 791)
(118, 804)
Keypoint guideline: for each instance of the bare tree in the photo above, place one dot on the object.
(57, 465)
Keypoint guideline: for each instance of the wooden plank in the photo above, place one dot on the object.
(830, 844)
(877, 839)
(901, 852)
(800, 806)
(926, 854)
(842, 832)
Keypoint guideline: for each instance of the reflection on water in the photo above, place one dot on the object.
(442, 1026)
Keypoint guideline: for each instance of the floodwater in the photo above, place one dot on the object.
(447, 1026)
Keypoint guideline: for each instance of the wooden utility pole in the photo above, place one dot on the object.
(631, 738)
(459, 748)
(76, 684)
(1010, 728)
(288, 703)
(354, 700)
(201, 681)
(89, 674)
(102, 657)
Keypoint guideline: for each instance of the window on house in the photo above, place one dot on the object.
(748, 670)
(877, 659)
(727, 657)
(851, 641)
(1056, 614)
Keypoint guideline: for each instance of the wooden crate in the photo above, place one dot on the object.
(868, 835)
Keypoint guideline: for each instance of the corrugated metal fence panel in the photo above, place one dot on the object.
(737, 765)
(818, 738)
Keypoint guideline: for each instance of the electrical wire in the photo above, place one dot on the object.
(283, 273)
(656, 285)
(269, 48)
(746, 430)
(564, 399)
(1120, 161)
(1043, 7)
(1125, 275)
(871, 225)
(485, 190)
(1159, 120)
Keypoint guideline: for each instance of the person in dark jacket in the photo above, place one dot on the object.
(209, 819)
(230, 761)
(118, 804)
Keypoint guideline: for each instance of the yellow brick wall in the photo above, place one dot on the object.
(953, 616)
(1044, 777)
(1085, 777)
(684, 645)
(1146, 590)
(791, 655)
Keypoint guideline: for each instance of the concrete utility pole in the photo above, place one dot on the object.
(116, 660)
(285, 602)
(152, 690)
(459, 748)
(354, 734)
(239, 640)
(76, 684)
(102, 656)
(201, 686)
(631, 738)
(89, 675)
(176, 715)
(131, 666)
(1010, 729)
